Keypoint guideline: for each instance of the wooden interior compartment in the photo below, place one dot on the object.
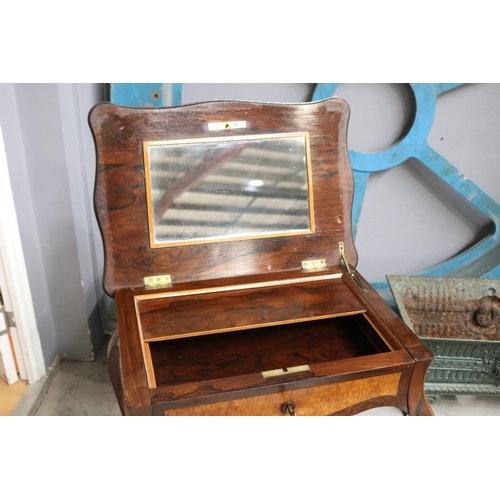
(220, 309)
(233, 354)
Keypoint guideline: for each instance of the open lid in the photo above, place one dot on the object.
(221, 189)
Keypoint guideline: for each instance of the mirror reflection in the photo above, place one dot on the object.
(230, 188)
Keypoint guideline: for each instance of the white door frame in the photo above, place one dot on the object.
(26, 338)
(7, 363)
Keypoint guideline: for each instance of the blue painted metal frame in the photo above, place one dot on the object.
(482, 259)
(146, 95)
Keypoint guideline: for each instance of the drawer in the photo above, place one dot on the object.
(319, 400)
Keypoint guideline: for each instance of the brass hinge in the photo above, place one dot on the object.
(349, 270)
(157, 282)
(314, 265)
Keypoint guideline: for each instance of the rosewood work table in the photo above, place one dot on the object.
(229, 252)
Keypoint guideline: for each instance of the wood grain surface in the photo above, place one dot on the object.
(254, 351)
(379, 310)
(217, 311)
(120, 196)
(131, 370)
(317, 401)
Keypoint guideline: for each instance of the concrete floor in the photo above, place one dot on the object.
(83, 388)
(80, 388)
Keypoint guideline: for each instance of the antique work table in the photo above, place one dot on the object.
(229, 251)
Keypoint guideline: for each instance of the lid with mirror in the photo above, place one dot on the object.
(221, 189)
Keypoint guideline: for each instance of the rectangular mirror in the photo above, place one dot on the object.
(228, 188)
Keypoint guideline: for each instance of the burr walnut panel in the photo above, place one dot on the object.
(317, 401)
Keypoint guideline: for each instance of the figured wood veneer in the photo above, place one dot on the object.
(322, 400)
(162, 317)
(261, 349)
(120, 195)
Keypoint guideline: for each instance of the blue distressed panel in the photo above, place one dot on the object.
(439, 88)
(324, 91)
(177, 94)
(146, 95)
(482, 259)
(139, 95)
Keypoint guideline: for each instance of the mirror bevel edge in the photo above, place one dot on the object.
(198, 241)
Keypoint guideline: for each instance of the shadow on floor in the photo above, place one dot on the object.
(80, 388)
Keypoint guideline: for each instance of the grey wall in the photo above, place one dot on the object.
(271, 92)
(410, 219)
(10, 120)
(76, 100)
(47, 159)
